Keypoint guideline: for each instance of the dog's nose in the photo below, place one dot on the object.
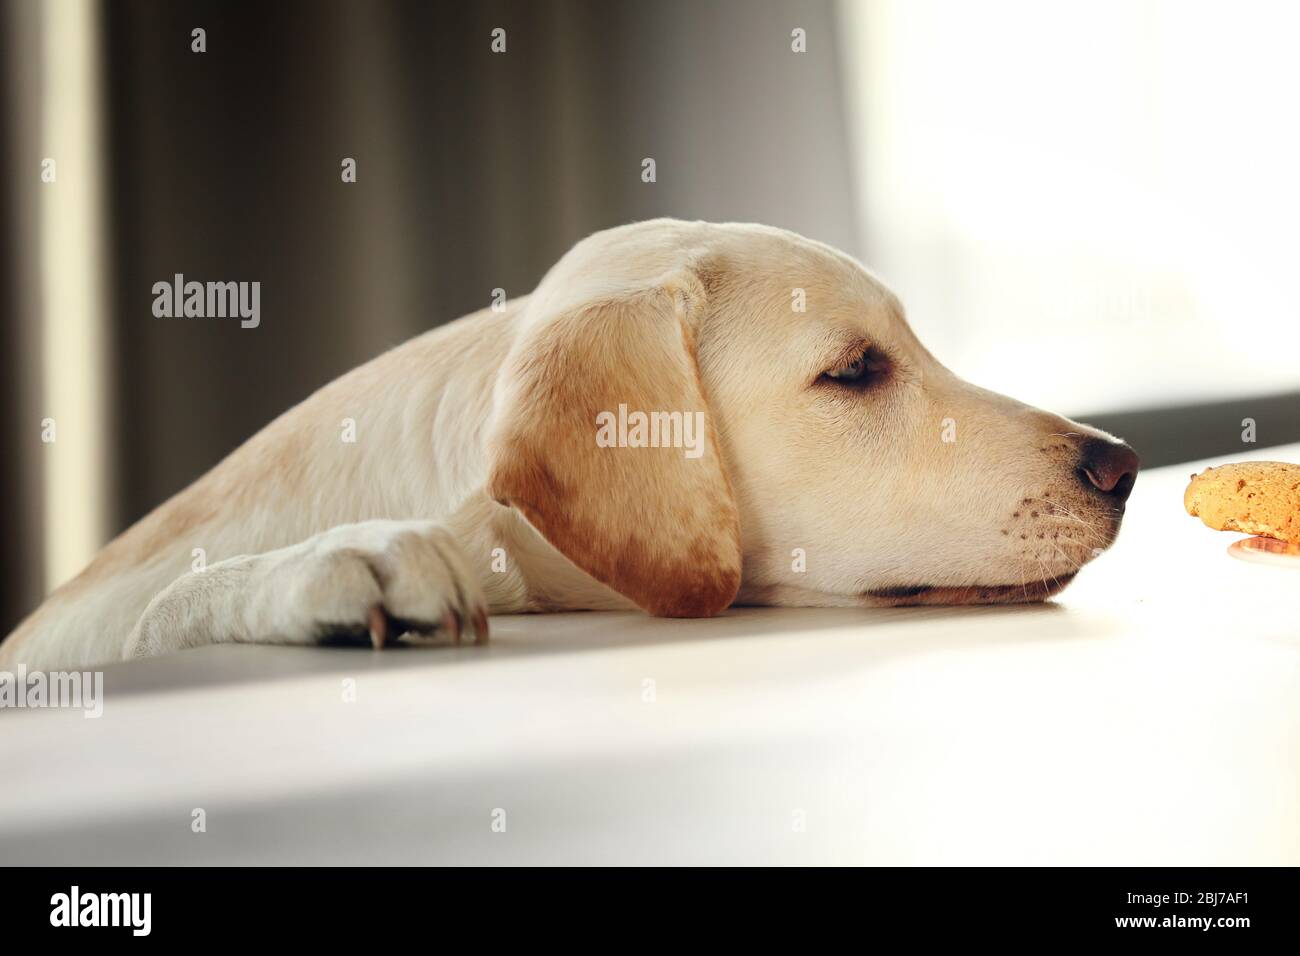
(1109, 466)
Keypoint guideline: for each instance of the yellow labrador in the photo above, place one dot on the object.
(683, 416)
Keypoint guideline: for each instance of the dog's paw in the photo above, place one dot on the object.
(369, 582)
(377, 581)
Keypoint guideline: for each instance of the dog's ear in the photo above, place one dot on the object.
(657, 524)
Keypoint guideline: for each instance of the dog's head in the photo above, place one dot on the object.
(688, 405)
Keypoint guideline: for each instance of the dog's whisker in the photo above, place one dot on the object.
(1056, 582)
(1074, 565)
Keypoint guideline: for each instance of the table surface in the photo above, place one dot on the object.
(1150, 715)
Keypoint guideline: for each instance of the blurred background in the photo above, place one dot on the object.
(1090, 206)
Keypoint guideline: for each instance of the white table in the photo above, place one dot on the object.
(1151, 715)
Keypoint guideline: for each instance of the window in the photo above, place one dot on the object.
(1091, 207)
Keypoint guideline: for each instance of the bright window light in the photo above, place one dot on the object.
(1092, 206)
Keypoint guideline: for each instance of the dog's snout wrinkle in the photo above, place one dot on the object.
(1110, 467)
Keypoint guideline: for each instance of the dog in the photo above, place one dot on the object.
(681, 417)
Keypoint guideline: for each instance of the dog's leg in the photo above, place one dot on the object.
(375, 580)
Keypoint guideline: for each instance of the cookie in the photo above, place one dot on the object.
(1253, 497)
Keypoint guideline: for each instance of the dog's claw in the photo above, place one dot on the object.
(451, 625)
(378, 624)
(480, 626)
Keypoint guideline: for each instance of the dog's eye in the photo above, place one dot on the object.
(863, 370)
